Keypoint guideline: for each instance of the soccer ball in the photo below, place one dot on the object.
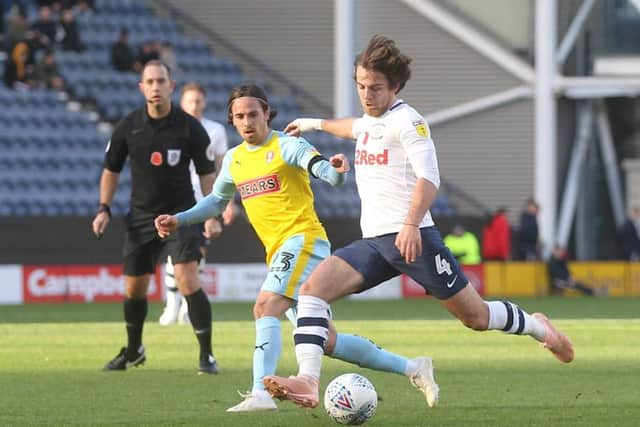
(350, 399)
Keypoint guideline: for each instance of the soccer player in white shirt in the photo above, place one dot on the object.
(398, 179)
(193, 101)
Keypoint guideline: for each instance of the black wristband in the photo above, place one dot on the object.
(312, 162)
(104, 208)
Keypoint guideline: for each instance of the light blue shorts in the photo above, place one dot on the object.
(292, 265)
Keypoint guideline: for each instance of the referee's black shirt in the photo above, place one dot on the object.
(160, 152)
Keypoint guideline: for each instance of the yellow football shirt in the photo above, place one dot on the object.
(276, 195)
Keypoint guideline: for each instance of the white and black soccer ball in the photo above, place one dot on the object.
(350, 399)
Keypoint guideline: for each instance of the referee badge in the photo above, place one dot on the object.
(211, 152)
(173, 157)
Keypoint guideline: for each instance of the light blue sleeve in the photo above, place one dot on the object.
(299, 152)
(212, 205)
(224, 187)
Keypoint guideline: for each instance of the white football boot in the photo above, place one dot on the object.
(258, 400)
(422, 379)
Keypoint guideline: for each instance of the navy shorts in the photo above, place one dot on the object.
(378, 260)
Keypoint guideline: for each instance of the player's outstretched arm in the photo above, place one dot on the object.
(340, 163)
(342, 128)
(165, 224)
(334, 171)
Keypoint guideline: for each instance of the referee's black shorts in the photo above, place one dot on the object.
(143, 247)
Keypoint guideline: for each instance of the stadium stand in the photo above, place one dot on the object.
(52, 157)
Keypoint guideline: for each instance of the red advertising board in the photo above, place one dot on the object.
(79, 283)
(209, 281)
(475, 274)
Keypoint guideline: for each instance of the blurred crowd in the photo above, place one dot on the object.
(30, 43)
(126, 58)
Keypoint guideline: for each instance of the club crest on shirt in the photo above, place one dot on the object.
(421, 128)
(269, 156)
(156, 158)
(377, 131)
(173, 157)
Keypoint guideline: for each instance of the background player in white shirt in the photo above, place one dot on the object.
(397, 177)
(193, 101)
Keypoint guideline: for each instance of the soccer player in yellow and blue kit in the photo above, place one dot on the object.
(271, 172)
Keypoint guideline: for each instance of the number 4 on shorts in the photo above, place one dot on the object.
(442, 265)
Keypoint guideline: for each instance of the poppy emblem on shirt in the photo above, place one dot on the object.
(269, 156)
(173, 157)
(156, 158)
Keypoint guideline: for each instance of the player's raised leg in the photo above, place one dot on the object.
(509, 318)
(365, 353)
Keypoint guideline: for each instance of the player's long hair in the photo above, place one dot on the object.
(253, 91)
(382, 55)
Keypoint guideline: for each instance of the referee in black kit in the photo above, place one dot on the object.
(160, 140)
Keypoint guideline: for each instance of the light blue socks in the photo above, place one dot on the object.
(363, 352)
(267, 351)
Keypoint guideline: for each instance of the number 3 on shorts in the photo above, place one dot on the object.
(285, 261)
(442, 266)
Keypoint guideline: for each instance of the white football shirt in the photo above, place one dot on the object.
(392, 151)
(218, 146)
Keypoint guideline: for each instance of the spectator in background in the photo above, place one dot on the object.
(463, 245)
(559, 274)
(630, 234)
(17, 27)
(16, 68)
(122, 56)
(528, 244)
(45, 27)
(148, 52)
(496, 237)
(46, 73)
(71, 38)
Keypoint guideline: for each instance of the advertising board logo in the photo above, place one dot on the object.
(77, 283)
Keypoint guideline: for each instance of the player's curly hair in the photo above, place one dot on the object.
(253, 91)
(382, 55)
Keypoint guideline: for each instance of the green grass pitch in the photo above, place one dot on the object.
(51, 358)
